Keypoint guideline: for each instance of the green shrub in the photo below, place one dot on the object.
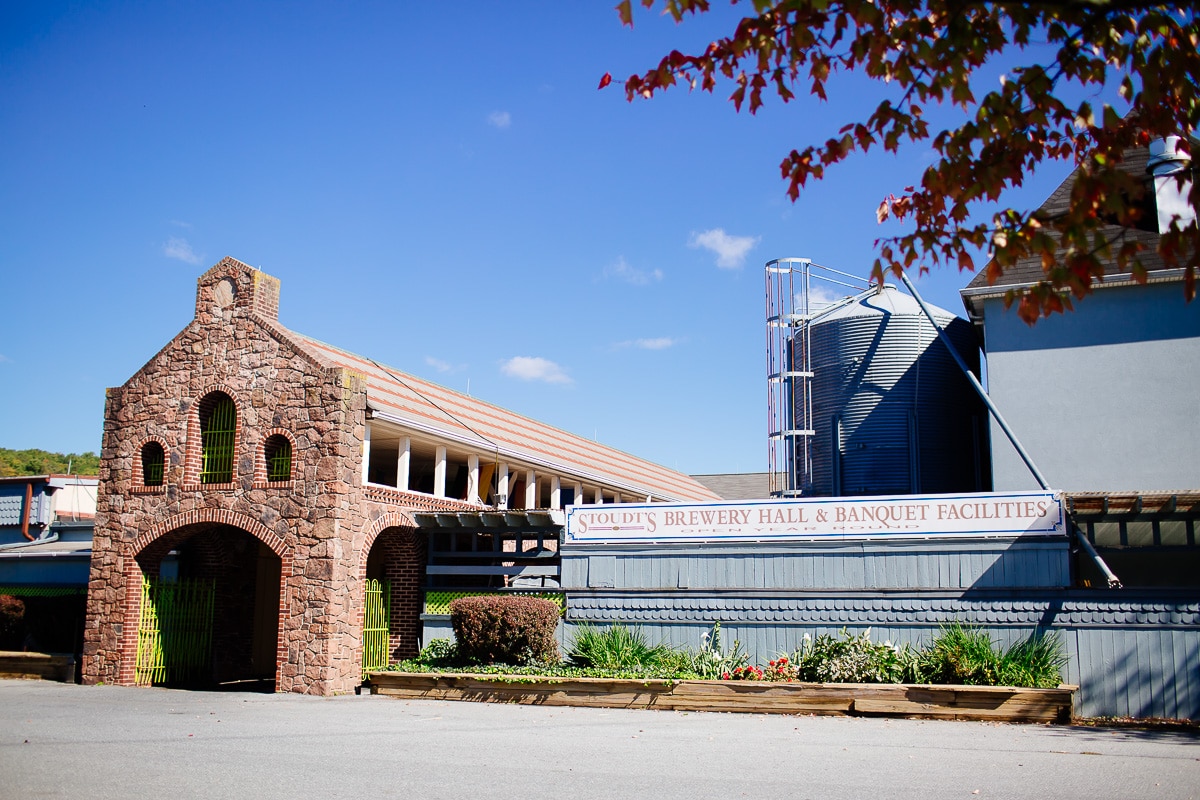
(440, 653)
(851, 658)
(959, 654)
(615, 647)
(505, 629)
(711, 662)
(1036, 661)
(967, 655)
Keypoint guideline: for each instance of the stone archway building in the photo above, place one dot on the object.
(239, 425)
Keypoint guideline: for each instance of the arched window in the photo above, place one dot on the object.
(218, 427)
(278, 456)
(152, 464)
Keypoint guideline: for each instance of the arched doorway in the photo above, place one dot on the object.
(209, 614)
(396, 563)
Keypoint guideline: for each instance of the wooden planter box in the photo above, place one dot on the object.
(1003, 703)
(44, 666)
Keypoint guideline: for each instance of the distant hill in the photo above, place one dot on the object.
(40, 462)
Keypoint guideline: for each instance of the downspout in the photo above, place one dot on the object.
(28, 509)
(1113, 581)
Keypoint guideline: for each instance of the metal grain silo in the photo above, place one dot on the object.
(890, 413)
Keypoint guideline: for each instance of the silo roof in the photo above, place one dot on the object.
(879, 302)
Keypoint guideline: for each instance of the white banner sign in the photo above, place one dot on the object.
(900, 516)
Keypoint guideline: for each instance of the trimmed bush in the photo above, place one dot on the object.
(12, 622)
(505, 629)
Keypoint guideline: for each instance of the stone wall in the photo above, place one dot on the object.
(311, 522)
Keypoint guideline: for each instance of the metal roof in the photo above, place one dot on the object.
(407, 400)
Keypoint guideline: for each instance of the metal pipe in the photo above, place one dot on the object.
(1113, 581)
(27, 510)
(18, 545)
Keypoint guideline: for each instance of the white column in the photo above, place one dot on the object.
(599, 496)
(578, 499)
(402, 461)
(616, 497)
(555, 492)
(473, 478)
(530, 489)
(502, 483)
(366, 465)
(439, 472)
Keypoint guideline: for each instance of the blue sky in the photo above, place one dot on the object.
(440, 187)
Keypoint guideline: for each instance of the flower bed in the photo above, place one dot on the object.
(996, 703)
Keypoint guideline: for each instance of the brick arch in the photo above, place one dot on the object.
(389, 519)
(219, 516)
(403, 559)
(193, 448)
(260, 455)
(138, 472)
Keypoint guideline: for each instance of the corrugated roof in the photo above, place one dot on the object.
(407, 398)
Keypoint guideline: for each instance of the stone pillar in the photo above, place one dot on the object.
(555, 492)
(599, 496)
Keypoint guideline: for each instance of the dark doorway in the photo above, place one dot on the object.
(238, 577)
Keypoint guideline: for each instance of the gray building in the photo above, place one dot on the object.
(1106, 397)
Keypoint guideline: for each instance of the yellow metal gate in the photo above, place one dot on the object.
(174, 632)
(376, 616)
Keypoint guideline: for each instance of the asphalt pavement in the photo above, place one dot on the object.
(67, 741)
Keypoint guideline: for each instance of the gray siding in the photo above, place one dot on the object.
(862, 565)
(1131, 655)
(1132, 652)
(1104, 398)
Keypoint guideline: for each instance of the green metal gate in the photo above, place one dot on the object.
(376, 617)
(175, 631)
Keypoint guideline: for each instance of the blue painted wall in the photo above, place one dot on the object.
(1132, 652)
(1105, 398)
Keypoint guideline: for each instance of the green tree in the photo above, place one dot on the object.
(41, 462)
(932, 51)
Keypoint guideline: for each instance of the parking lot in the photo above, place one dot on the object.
(62, 740)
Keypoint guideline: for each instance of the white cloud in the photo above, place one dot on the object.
(622, 271)
(441, 366)
(659, 343)
(819, 297)
(532, 368)
(178, 248)
(731, 251)
(499, 119)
